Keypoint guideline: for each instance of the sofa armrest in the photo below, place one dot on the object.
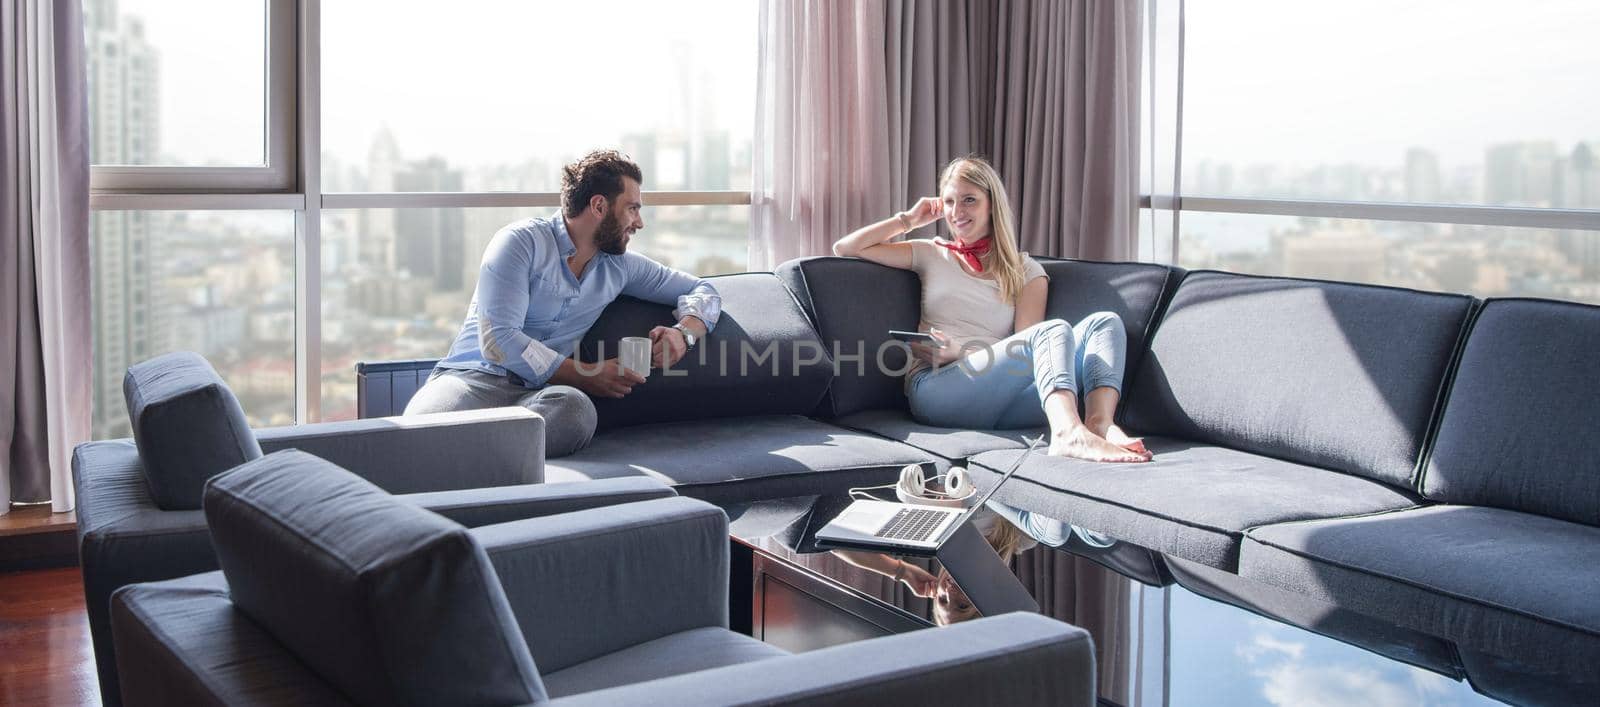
(123, 538)
(421, 453)
(1014, 659)
(502, 504)
(182, 642)
(590, 583)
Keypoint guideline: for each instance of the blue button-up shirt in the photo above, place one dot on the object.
(529, 311)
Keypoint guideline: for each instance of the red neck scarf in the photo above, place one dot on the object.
(969, 253)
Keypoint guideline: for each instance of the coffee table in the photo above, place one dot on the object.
(1185, 634)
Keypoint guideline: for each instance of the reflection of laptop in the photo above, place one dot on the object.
(885, 525)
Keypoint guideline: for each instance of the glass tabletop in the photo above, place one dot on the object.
(1187, 634)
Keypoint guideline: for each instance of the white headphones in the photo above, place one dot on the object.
(952, 489)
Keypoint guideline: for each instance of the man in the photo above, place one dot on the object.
(543, 283)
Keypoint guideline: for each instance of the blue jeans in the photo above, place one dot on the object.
(1003, 386)
(1049, 531)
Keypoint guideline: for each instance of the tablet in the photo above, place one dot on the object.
(913, 337)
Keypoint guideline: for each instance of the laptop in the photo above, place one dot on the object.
(905, 527)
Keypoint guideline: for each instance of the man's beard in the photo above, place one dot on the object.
(610, 237)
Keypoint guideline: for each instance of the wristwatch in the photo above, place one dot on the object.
(688, 336)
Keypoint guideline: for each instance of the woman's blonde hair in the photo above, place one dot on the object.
(1005, 538)
(1004, 260)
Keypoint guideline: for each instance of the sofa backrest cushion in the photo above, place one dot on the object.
(1335, 375)
(390, 603)
(188, 426)
(1518, 425)
(854, 303)
(763, 358)
(1133, 291)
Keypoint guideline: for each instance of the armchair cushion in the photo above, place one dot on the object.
(187, 424)
(347, 577)
(586, 584)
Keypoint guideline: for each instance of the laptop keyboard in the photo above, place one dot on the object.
(911, 524)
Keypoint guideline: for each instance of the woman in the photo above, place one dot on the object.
(983, 302)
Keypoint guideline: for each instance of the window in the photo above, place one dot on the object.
(1438, 145)
(500, 95)
(368, 150)
(219, 283)
(176, 109)
(1441, 102)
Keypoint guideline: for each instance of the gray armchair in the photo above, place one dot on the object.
(139, 516)
(334, 592)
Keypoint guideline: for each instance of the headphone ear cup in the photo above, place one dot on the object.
(911, 483)
(957, 484)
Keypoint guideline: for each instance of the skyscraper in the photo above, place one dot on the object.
(428, 242)
(1422, 176)
(1521, 173)
(124, 83)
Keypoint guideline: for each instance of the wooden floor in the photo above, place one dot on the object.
(45, 654)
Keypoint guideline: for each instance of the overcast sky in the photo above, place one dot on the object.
(1290, 81)
(484, 82)
(477, 81)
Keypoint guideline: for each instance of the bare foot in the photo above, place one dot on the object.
(1115, 435)
(1080, 443)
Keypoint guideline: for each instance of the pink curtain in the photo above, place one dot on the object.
(862, 103)
(821, 155)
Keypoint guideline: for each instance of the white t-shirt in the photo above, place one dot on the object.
(965, 307)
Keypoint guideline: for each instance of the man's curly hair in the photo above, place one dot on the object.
(599, 172)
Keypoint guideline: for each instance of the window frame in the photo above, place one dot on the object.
(278, 172)
(1165, 130)
(292, 181)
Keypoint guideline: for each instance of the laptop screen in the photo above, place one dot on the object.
(1014, 467)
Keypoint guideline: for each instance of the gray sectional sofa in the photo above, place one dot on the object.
(1418, 458)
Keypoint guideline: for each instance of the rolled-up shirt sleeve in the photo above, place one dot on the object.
(503, 305)
(692, 296)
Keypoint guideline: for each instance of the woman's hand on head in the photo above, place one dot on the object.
(927, 210)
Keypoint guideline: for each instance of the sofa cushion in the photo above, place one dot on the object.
(187, 424)
(678, 654)
(1513, 584)
(1518, 426)
(1194, 501)
(1132, 291)
(948, 442)
(1332, 375)
(182, 642)
(386, 601)
(854, 303)
(762, 359)
(741, 459)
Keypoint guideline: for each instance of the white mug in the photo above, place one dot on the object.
(635, 355)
